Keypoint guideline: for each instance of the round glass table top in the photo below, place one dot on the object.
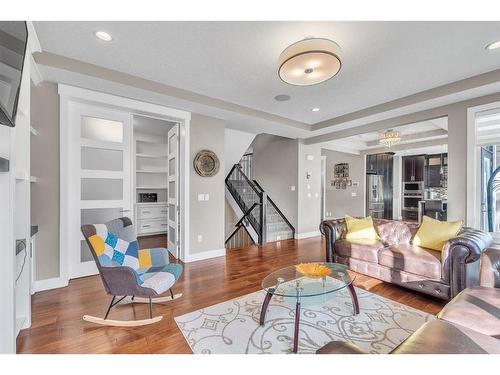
(288, 282)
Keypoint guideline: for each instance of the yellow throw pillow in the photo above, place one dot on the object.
(433, 233)
(360, 229)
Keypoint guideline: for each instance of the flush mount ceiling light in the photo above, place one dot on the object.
(493, 45)
(389, 138)
(103, 35)
(309, 61)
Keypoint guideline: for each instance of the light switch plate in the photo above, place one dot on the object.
(292, 188)
(309, 195)
(200, 238)
(201, 197)
(354, 194)
(207, 197)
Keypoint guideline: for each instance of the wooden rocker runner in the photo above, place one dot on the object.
(137, 275)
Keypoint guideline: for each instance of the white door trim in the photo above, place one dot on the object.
(70, 94)
(473, 173)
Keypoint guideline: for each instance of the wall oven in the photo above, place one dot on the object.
(414, 188)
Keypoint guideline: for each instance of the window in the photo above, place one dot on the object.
(484, 180)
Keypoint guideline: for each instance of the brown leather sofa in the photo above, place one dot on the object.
(468, 324)
(394, 259)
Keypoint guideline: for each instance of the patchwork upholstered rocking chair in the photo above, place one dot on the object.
(140, 275)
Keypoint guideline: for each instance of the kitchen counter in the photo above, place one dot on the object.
(438, 213)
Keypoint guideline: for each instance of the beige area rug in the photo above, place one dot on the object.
(232, 327)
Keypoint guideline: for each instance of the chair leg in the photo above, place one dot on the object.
(113, 304)
(171, 293)
(150, 308)
(109, 308)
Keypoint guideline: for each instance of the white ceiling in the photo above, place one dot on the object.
(236, 61)
(359, 143)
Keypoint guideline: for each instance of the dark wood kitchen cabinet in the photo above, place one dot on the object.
(436, 170)
(413, 168)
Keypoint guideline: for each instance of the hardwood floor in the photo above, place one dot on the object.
(57, 325)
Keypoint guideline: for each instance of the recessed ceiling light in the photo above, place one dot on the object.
(493, 45)
(103, 35)
(315, 109)
(282, 98)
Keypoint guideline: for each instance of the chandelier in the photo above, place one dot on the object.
(389, 138)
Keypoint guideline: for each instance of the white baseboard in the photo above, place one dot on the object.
(205, 255)
(300, 236)
(47, 284)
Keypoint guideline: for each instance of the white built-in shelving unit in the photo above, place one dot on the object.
(151, 163)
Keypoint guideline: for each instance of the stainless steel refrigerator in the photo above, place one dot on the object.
(375, 196)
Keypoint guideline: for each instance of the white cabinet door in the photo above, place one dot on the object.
(99, 181)
(173, 191)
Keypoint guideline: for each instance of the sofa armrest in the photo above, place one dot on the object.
(329, 229)
(340, 347)
(458, 255)
(490, 268)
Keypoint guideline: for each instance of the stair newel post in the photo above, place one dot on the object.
(263, 218)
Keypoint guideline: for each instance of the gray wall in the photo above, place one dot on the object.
(45, 166)
(309, 185)
(206, 217)
(339, 202)
(275, 168)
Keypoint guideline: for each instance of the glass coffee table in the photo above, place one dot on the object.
(288, 282)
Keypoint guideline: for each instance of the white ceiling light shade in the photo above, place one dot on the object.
(309, 61)
(389, 138)
(103, 35)
(493, 45)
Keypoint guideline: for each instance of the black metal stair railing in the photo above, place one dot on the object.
(249, 199)
(271, 202)
(253, 202)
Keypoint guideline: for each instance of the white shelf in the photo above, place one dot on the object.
(151, 156)
(151, 203)
(159, 171)
(151, 187)
(149, 138)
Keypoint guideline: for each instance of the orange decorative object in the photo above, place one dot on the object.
(313, 269)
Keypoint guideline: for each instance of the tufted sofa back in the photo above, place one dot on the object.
(394, 233)
(391, 232)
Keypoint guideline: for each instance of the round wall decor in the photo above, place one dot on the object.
(206, 163)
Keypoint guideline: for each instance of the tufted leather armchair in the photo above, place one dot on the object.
(395, 259)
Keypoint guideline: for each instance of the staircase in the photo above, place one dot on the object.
(262, 220)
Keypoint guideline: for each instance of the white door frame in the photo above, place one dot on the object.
(173, 246)
(70, 94)
(473, 172)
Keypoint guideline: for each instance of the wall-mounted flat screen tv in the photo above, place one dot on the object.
(13, 40)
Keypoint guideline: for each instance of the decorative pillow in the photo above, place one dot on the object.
(360, 229)
(433, 234)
